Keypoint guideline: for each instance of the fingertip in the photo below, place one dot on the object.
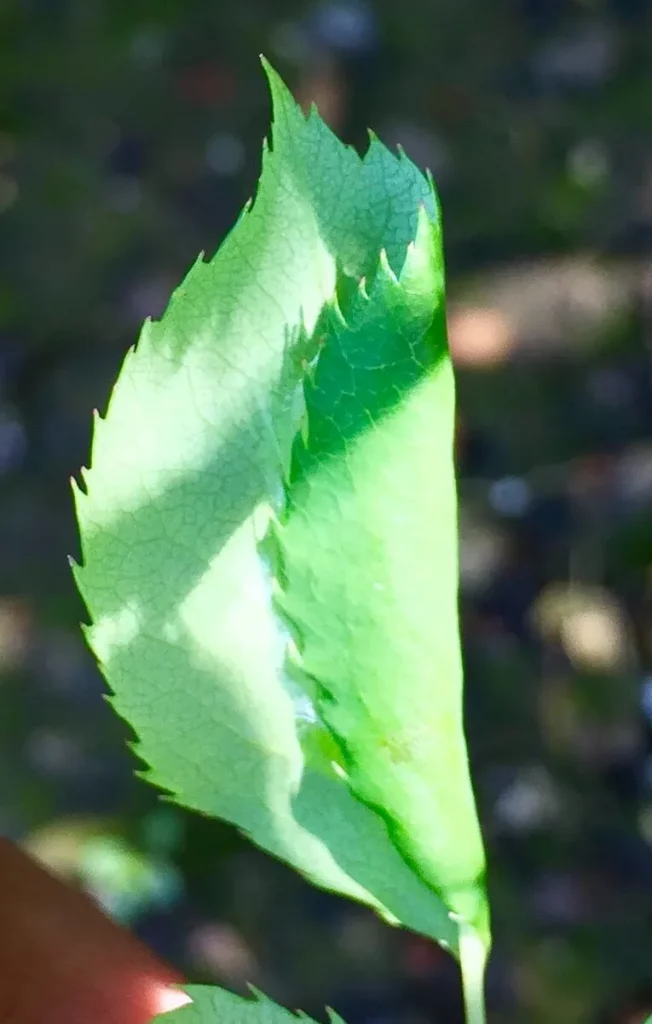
(63, 961)
(168, 999)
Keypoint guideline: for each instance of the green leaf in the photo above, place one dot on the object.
(186, 470)
(212, 1005)
(370, 568)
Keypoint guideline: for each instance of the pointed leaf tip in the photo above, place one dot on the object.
(281, 95)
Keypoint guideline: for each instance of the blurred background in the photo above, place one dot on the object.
(130, 136)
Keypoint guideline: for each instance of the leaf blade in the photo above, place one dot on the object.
(185, 466)
(213, 1005)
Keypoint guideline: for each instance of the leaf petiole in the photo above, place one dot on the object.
(473, 961)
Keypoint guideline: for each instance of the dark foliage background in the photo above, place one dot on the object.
(130, 137)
